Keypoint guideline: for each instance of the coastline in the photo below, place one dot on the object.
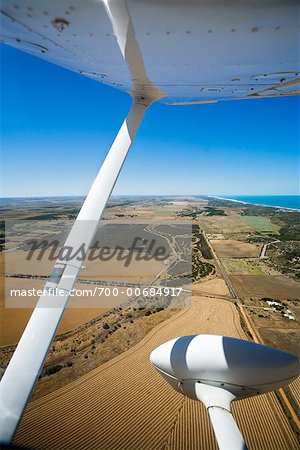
(255, 204)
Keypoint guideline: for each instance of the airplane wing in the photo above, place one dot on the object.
(192, 51)
(178, 52)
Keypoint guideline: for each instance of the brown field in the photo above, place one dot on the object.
(128, 335)
(16, 263)
(14, 320)
(125, 404)
(231, 248)
(266, 286)
(223, 224)
(288, 339)
(136, 272)
(215, 286)
(148, 212)
(295, 390)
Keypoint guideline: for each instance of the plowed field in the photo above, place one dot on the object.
(125, 404)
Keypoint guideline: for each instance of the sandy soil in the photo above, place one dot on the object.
(125, 404)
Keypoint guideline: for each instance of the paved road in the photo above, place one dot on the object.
(256, 336)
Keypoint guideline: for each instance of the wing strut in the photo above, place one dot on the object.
(218, 404)
(24, 368)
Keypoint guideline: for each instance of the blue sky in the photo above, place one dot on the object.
(57, 127)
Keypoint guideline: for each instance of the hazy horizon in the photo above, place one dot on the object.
(151, 195)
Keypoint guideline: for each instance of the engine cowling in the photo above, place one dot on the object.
(241, 367)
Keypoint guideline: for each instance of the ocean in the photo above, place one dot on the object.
(282, 201)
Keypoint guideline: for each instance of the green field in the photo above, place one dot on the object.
(242, 267)
(258, 222)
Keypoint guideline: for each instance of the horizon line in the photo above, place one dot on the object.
(151, 195)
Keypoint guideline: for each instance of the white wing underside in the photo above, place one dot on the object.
(192, 51)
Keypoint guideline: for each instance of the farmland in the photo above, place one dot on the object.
(97, 382)
(259, 223)
(227, 224)
(232, 248)
(14, 319)
(243, 267)
(265, 286)
(99, 411)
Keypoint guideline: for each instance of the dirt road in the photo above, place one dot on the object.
(126, 405)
